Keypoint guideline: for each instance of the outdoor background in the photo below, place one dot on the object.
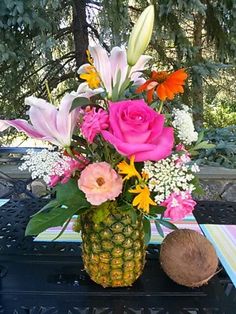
(44, 42)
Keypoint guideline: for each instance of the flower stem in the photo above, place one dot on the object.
(161, 106)
(48, 92)
(69, 151)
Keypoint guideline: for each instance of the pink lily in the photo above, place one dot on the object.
(115, 65)
(48, 123)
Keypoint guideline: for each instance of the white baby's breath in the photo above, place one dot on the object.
(45, 163)
(183, 123)
(167, 176)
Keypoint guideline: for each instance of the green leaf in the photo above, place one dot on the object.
(159, 228)
(115, 89)
(147, 230)
(69, 200)
(46, 219)
(68, 194)
(200, 137)
(51, 204)
(168, 224)
(156, 210)
(63, 229)
(125, 85)
(203, 145)
(101, 212)
(133, 214)
(79, 102)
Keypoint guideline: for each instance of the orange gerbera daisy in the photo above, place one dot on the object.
(166, 85)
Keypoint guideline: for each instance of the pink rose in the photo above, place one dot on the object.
(100, 183)
(136, 129)
(178, 205)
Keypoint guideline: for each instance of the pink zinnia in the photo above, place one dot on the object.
(178, 205)
(100, 183)
(93, 123)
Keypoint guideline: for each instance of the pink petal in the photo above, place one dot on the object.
(125, 148)
(144, 152)
(82, 68)
(22, 126)
(118, 61)
(43, 116)
(66, 120)
(162, 149)
(113, 116)
(102, 64)
(139, 66)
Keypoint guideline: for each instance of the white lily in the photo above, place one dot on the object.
(140, 35)
(85, 91)
(113, 70)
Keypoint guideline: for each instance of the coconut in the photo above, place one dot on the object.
(188, 258)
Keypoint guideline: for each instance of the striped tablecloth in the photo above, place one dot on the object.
(70, 236)
(223, 237)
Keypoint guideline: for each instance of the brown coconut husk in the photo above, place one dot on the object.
(188, 258)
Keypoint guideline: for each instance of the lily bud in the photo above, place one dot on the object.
(140, 35)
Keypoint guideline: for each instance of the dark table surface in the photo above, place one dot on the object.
(48, 277)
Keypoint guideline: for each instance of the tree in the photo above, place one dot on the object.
(45, 42)
(42, 43)
(198, 35)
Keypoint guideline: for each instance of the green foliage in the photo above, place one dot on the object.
(113, 21)
(159, 228)
(147, 230)
(69, 201)
(220, 115)
(79, 102)
(36, 46)
(198, 35)
(224, 152)
(101, 212)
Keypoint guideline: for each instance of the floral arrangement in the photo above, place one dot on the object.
(119, 140)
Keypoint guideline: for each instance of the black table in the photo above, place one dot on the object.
(48, 278)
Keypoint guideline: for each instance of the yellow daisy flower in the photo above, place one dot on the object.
(143, 199)
(91, 76)
(128, 169)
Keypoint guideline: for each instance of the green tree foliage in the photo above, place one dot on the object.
(45, 41)
(37, 46)
(199, 35)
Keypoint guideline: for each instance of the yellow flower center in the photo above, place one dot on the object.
(91, 76)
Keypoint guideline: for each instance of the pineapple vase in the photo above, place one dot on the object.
(113, 250)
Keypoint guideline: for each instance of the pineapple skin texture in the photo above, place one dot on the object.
(114, 250)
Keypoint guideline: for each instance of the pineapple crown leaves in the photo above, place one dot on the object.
(69, 201)
(101, 212)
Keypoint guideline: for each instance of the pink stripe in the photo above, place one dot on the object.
(232, 230)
